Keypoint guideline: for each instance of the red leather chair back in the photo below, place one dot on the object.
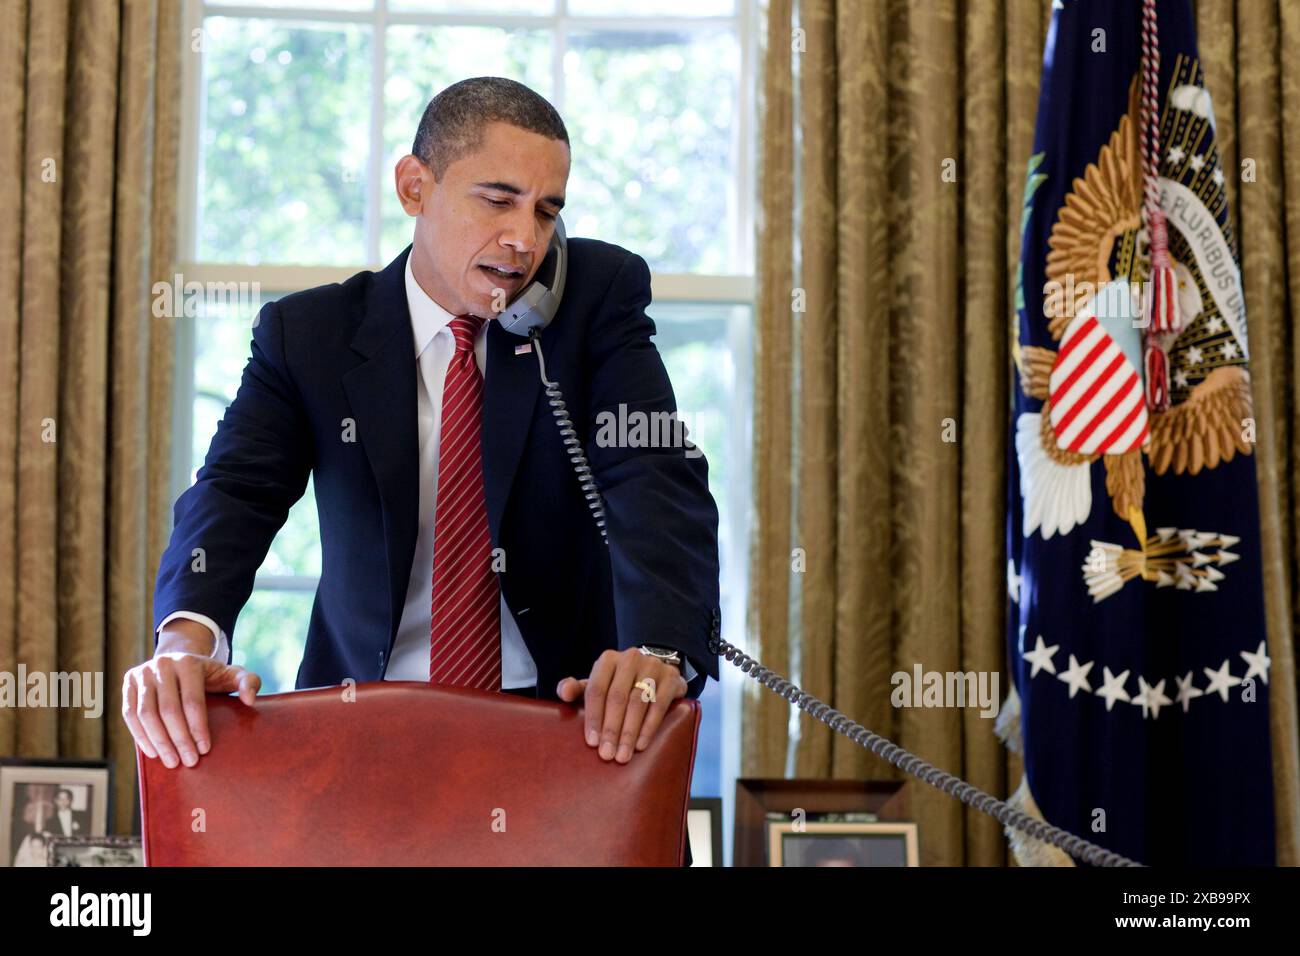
(414, 774)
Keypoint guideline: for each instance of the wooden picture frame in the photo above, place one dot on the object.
(756, 797)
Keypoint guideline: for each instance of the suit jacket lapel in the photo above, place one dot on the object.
(381, 392)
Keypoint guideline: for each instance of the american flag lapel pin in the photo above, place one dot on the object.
(524, 349)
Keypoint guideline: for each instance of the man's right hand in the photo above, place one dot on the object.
(163, 699)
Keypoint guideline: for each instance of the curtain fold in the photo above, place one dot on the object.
(894, 144)
(763, 748)
(1246, 49)
(91, 121)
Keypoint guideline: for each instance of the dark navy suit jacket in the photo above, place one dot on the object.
(338, 362)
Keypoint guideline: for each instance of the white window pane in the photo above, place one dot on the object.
(423, 61)
(540, 8)
(651, 117)
(296, 4)
(695, 343)
(653, 8)
(223, 330)
(284, 142)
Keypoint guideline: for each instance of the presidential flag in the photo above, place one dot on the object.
(1136, 636)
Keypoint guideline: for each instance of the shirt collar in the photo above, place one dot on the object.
(428, 318)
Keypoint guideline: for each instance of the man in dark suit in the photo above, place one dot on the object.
(66, 821)
(453, 552)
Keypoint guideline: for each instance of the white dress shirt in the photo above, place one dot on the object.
(434, 346)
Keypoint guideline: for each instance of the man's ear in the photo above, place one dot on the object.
(408, 180)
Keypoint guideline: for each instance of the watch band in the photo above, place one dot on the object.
(669, 654)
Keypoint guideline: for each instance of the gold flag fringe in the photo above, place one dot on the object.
(1027, 850)
(1007, 726)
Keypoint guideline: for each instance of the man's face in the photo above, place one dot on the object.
(63, 800)
(494, 207)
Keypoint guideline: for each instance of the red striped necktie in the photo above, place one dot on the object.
(465, 636)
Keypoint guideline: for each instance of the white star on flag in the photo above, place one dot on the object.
(1076, 676)
(1152, 697)
(1258, 662)
(1186, 691)
(1041, 657)
(1220, 680)
(1112, 688)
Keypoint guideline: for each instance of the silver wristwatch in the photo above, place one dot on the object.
(664, 654)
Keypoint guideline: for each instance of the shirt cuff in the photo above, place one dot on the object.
(221, 651)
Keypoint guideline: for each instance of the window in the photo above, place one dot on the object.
(298, 111)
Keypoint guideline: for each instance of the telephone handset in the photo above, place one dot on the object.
(535, 306)
(532, 311)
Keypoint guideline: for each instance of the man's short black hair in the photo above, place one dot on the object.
(454, 120)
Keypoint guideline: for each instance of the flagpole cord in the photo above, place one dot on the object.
(1150, 113)
(896, 755)
(1160, 319)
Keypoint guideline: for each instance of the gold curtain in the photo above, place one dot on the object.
(89, 121)
(885, 294)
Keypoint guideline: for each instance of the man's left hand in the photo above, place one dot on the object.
(619, 715)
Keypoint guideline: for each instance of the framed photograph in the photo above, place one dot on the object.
(94, 851)
(704, 824)
(759, 800)
(841, 844)
(43, 799)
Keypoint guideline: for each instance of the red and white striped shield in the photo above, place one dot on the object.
(1097, 405)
